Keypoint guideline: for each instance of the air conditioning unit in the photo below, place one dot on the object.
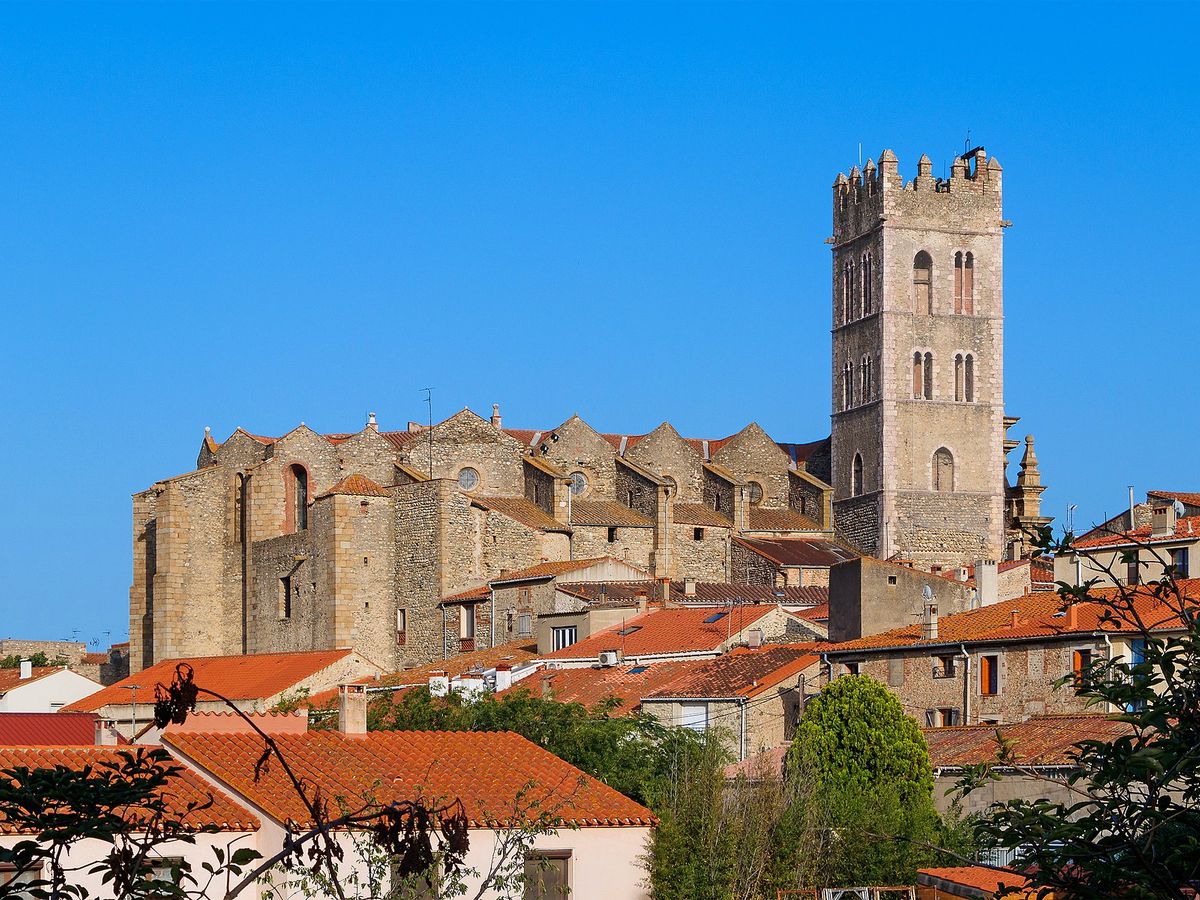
(609, 657)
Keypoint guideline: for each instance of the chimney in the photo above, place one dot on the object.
(547, 686)
(666, 590)
(929, 621)
(352, 708)
(106, 733)
(439, 684)
(1162, 519)
(689, 587)
(503, 676)
(495, 415)
(755, 638)
(26, 669)
(371, 422)
(987, 582)
(470, 686)
(1072, 617)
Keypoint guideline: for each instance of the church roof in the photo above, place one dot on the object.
(357, 486)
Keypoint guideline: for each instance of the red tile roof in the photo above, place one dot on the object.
(479, 592)
(673, 630)
(552, 569)
(1031, 616)
(818, 613)
(1046, 740)
(705, 592)
(485, 770)
(544, 465)
(742, 672)
(232, 723)
(699, 514)
(252, 677)
(627, 684)
(1185, 527)
(522, 510)
(780, 520)
(1188, 498)
(48, 729)
(181, 789)
(11, 678)
(606, 512)
(798, 551)
(355, 485)
(988, 881)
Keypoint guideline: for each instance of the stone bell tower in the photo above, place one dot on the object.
(918, 385)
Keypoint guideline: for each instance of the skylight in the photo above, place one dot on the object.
(715, 617)
(630, 630)
(638, 670)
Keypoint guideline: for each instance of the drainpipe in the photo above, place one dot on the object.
(828, 667)
(966, 684)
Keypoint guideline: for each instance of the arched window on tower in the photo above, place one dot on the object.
(868, 285)
(958, 283)
(918, 377)
(968, 303)
(928, 379)
(943, 470)
(847, 385)
(846, 314)
(866, 387)
(923, 284)
(856, 476)
(298, 478)
(969, 379)
(958, 377)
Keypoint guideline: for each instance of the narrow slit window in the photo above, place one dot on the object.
(958, 377)
(856, 476)
(958, 283)
(918, 377)
(928, 376)
(968, 304)
(969, 379)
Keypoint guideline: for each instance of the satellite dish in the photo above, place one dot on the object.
(1179, 509)
(927, 592)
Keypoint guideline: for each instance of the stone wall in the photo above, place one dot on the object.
(858, 521)
(706, 559)
(633, 544)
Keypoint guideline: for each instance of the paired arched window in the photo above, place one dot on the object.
(856, 476)
(964, 284)
(943, 470)
(298, 485)
(922, 372)
(923, 284)
(847, 385)
(848, 292)
(866, 380)
(964, 378)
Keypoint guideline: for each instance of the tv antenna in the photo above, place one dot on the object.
(429, 426)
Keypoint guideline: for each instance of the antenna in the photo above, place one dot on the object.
(429, 430)
(967, 143)
(860, 154)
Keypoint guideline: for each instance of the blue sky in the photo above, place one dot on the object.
(256, 215)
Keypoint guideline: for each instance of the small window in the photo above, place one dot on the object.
(1132, 572)
(923, 284)
(756, 493)
(928, 376)
(949, 716)
(612, 534)
(1179, 562)
(524, 625)
(868, 284)
(1081, 661)
(969, 378)
(891, 579)
(697, 534)
(401, 627)
(524, 596)
(548, 875)
(579, 483)
(638, 670)
(468, 478)
(285, 597)
(958, 377)
(944, 667)
(630, 498)
(852, 668)
(717, 502)
(298, 477)
(466, 622)
(989, 675)
(968, 301)
(168, 869)
(694, 716)
(856, 476)
(918, 377)
(564, 636)
(943, 470)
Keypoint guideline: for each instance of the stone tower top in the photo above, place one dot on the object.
(861, 199)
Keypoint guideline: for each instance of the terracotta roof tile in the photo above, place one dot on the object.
(552, 569)
(606, 512)
(11, 678)
(742, 673)
(798, 551)
(1185, 527)
(988, 881)
(1030, 616)
(818, 613)
(673, 630)
(357, 486)
(485, 770)
(252, 677)
(543, 465)
(591, 686)
(699, 514)
(181, 789)
(231, 723)
(48, 729)
(479, 592)
(761, 519)
(522, 510)
(1046, 740)
(1188, 498)
(722, 472)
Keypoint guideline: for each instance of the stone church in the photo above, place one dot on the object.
(310, 541)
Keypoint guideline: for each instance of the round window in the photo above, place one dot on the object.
(672, 485)
(468, 479)
(579, 483)
(756, 493)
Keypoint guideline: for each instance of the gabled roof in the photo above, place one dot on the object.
(700, 514)
(606, 512)
(11, 678)
(627, 684)
(521, 510)
(971, 881)
(1186, 527)
(181, 789)
(1046, 740)
(789, 552)
(742, 672)
(48, 729)
(543, 465)
(252, 677)
(487, 771)
(1188, 498)
(1031, 616)
(673, 630)
(761, 519)
(479, 592)
(355, 485)
(553, 569)
(723, 473)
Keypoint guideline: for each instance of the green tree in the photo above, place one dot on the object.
(1131, 825)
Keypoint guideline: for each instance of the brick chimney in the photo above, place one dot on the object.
(352, 708)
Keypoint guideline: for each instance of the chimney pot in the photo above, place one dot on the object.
(352, 708)
(26, 669)
(439, 684)
(106, 733)
(689, 587)
(496, 415)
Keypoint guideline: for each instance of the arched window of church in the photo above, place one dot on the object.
(298, 478)
(868, 285)
(969, 285)
(923, 284)
(239, 508)
(918, 377)
(969, 379)
(958, 283)
(847, 292)
(847, 385)
(856, 476)
(928, 376)
(958, 377)
(943, 470)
